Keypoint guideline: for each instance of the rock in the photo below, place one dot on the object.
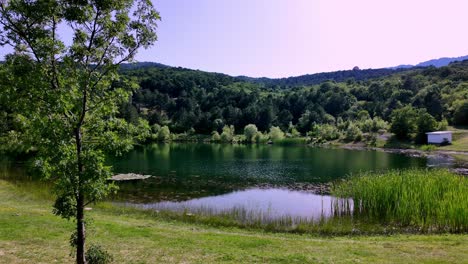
(462, 171)
(129, 177)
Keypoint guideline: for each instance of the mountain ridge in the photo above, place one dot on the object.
(355, 74)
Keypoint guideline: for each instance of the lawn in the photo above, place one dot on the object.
(29, 233)
(460, 140)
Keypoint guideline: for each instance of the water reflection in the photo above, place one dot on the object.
(268, 203)
(186, 171)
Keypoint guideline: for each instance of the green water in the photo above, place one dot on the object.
(185, 171)
(265, 179)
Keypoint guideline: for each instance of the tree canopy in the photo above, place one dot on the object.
(64, 97)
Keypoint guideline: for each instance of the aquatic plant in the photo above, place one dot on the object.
(431, 200)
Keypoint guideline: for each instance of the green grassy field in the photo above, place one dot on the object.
(29, 233)
(460, 140)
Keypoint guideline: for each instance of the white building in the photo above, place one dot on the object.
(439, 137)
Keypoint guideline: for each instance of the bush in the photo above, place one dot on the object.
(97, 255)
(260, 138)
(428, 147)
(215, 137)
(442, 125)
(324, 132)
(276, 133)
(164, 134)
(250, 131)
(228, 133)
(292, 131)
(353, 133)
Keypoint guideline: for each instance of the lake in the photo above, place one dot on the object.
(268, 179)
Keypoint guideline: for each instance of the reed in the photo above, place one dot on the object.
(430, 199)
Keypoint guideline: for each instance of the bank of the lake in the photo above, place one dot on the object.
(31, 234)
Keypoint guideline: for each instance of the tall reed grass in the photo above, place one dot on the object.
(431, 200)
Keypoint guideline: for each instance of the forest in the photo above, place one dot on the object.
(201, 102)
(406, 102)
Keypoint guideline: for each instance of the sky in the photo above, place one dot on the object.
(281, 38)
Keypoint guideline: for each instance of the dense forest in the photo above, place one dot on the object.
(186, 99)
(344, 105)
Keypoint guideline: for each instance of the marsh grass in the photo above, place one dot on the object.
(430, 200)
(341, 225)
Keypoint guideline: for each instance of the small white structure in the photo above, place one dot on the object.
(439, 137)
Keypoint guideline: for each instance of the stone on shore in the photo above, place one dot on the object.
(129, 177)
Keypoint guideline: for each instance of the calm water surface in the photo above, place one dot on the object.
(260, 178)
(220, 177)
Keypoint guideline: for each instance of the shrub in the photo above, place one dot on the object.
(276, 133)
(228, 133)
(428, 147)
(442, 125)
(353, 133)
(97, 255)
(215, 137)
(250, 131)
(260, 138)
(324, 132)
(292, 131)
(164, 134)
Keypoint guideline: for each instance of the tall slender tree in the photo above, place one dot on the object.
(66, 92)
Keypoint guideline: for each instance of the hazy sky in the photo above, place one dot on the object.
(278, 38)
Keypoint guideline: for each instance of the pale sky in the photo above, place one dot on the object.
(280, 38)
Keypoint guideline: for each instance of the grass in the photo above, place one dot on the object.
(432, 200)
(461, 157)
(428, 148)
(31, 234)
(460, 139)
(460, 144)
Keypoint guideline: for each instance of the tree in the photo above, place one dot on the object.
(164, 134)
(460, 116)
(425, 123)
(403, 122)
(352, 133)
(250, 131)
(228, 133)
(69, 109)
(276, 133)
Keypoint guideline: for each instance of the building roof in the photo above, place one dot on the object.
(439, 132)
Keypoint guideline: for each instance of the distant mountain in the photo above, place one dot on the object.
(143, 64)
(303, 80)
(355, 74)
(441, 62)
(317, 78)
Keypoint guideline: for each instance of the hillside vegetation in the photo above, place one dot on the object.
(352, 105)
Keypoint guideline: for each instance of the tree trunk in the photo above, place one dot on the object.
(80, 225)
(80, 229)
